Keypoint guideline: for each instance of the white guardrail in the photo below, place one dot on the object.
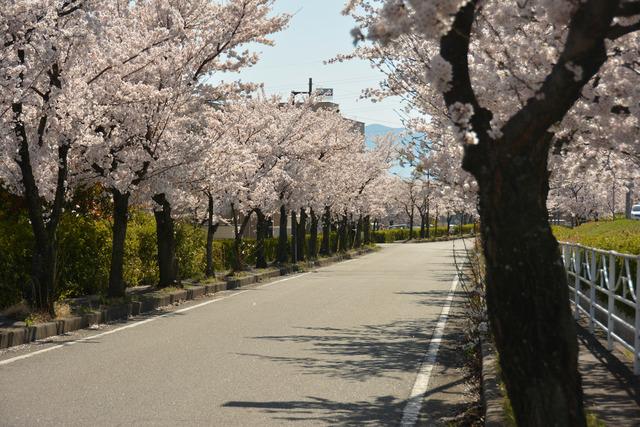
(604, 286)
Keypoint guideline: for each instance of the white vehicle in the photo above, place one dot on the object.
(635, 212)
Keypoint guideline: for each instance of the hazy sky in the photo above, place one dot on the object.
(316, 33)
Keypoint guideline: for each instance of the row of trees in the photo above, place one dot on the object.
(118, 96)
(513, 83)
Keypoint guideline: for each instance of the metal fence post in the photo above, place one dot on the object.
(577, 269)
(611, 301)
(592, 291)
(636, 346)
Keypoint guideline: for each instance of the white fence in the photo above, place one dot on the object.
(604, 287)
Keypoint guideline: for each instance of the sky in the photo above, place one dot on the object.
(316, 33)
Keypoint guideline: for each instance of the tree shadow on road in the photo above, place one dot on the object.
(394, 351)
(357, 353)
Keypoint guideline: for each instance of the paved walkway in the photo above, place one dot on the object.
(611, 391)
(337, 346)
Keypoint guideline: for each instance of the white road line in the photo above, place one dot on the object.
(420, 387)
(142, 322)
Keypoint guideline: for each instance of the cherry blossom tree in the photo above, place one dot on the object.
(509, 81)
(46, 103)
(157, 86)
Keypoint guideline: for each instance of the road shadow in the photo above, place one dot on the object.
(390, 350)
(383, 410)
(358, 353)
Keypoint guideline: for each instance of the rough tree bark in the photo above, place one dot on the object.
(119, 234)
(325, 247)
(313, 236)
(342, 234)
(527, 294)
(358, 238)
(294, 238)
(367, 230)
(261, 234)
(211, 231)
(237, 263)
(302, 235)
(283, 240)
(165, 234)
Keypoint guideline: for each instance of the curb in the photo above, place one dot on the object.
(491, 394)
(148, 302)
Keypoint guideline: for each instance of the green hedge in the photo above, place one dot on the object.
(84, 254)
(621, 235)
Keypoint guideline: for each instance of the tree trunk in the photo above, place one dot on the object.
(211, 230)
(367, 230)
(428, 230)
(411, 224)
(43, 275)
(342, 234)
(422, 226)
(313, 237)
(261, 232)
(527, 294)
(335, 228)
(119, 235)
(167, 261)
(270, 228)
(302, 235)
(358, 240)
(294, 237)
(325, 247)
(283, 240)
(237, 263)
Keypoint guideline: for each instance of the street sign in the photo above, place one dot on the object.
(325, 92)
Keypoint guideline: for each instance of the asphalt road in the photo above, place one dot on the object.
(341, 345)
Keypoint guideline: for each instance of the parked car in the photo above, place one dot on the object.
(635, 212)
(396, 226)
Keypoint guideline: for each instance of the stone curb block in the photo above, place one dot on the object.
(13, 336)
(177, 296)
(491, 394)
(71, 324)
(42, 331)
(195, 291)
(118, 312)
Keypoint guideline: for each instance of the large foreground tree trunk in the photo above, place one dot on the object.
(211, 231)
(283, 240)
(261, 234)
(313, 237)
(165, 233)
(119, 235)
(527, 296)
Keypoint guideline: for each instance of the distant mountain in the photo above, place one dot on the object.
(377, 130)
(371, 131)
